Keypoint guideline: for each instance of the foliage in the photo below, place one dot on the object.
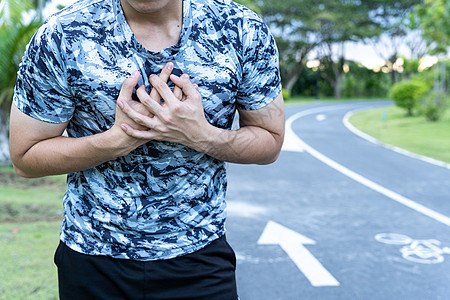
(434, 19)
(250, 4)
(363, 82)
(14, 37)
(358, 82)
(434, 105)
(299, 26)
(11, 10)
(407, 93)
(286, 94)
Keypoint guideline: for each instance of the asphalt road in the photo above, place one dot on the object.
(339, 217)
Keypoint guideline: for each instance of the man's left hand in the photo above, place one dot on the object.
(173, 120)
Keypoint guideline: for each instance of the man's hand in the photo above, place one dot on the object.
(173, 120)
(123, 121)
(259, 139)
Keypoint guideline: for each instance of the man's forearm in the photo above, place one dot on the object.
(247, 145)
(61, 155)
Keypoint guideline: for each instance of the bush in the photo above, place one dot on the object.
(434, 105)
(407, 93)
(286, 94)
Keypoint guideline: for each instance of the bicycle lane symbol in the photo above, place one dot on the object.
(418, 251)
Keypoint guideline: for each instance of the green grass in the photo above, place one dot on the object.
(414, 134)
(30, 218)
(29, 200)
(27, 270)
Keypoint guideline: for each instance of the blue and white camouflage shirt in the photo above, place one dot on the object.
(163, 199)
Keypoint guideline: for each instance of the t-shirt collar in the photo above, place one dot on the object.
(132, 40)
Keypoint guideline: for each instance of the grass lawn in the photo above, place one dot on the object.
(27, 270)
(30, 217)
(414, 134)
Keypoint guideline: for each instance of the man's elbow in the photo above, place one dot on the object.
(19, 171)
(20, 167)
(270, 160)
(275, 153)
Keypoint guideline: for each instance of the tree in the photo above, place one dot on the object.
(434, 20)
(301, 26)
(334, 67)
(393, 19)
(14, 36)
(433, 17)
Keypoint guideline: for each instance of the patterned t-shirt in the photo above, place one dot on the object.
(163, 199)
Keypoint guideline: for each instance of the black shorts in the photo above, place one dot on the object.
(206, 274)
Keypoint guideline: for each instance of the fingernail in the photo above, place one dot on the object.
(124, 128)
(135, 74)
(169, 66)
(120, 104)
(186, 76)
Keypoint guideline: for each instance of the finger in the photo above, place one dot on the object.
(128, 86)
(178, 93)
(137, 117)
(185, 84)
(164, 75)
(163, 89)
(148, 135)
(139, 134)
(150, 103)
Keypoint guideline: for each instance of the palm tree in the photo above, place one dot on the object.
(14, 36)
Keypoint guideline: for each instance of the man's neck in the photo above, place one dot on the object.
(156, 26)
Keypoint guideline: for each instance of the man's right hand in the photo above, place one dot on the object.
(125, 95)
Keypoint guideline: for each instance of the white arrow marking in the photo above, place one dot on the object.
(292, 243)
(321, 117)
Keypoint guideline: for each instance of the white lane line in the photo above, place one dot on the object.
(291, 141)
(355, 176)
(393, 148)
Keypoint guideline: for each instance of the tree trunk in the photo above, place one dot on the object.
(337, 86)
(293, 76)
(5, 159)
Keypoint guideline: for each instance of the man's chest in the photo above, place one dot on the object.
(96, 74)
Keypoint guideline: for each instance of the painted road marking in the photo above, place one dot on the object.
(243, 209)
(355, 176)
(291, 141)
(418, 251)
(321, 117)
(293, 244)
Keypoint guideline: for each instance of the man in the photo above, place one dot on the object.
(144, 210)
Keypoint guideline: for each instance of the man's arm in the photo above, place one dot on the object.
(258, 141)
(38, 149)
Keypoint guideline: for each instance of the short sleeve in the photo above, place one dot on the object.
(42, 91)
(261, 82)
